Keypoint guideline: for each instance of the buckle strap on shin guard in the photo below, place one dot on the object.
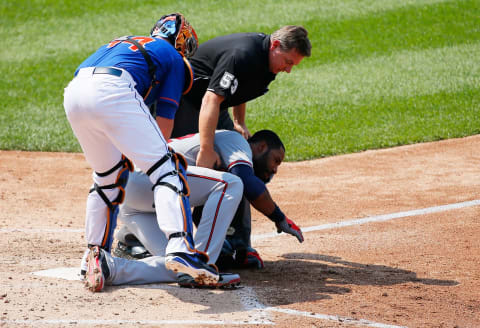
(121, 181)
(124, 162)
(180, 167)
(183, 191)
(178, 235)
(162, 160)
(102, 195)
(204, 256)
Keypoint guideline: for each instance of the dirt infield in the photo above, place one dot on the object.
(392, 238)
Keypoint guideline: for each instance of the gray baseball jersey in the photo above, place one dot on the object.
(230, 145)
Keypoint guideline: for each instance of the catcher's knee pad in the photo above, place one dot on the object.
(183, 193)
(125, 166)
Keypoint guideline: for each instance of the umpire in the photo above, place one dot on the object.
(229, 71)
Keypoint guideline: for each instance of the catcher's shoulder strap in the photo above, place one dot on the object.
(151, 66)
(151, 69)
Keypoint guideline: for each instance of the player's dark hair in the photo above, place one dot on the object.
(271, 139)
(293, 37)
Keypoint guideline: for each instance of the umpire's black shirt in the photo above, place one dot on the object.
(234, 66)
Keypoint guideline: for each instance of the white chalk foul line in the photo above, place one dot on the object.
(325, 317)
(378, 218)
(134, 323)
(248, 299)
(341, 224)
(335, 318)
(250, 303)
(40, 230)
(258, 312)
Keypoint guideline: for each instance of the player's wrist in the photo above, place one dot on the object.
(277, 215)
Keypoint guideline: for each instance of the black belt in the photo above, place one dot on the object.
(107, 70)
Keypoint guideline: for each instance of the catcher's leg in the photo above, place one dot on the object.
(171, 202)
(105, 196)
(112, 195)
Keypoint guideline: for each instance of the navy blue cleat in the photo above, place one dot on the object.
(193, 265)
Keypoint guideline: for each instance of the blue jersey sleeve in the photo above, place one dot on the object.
(252, 185)
(170, 90)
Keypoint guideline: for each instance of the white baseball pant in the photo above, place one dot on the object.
(109, 118)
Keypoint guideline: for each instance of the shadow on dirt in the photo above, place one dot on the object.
(306, 277)
(301, 277)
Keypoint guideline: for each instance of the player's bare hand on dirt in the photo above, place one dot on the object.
(208, 158)
(288, 226)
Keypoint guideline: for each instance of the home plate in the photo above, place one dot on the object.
(186, 306)
(62, 273)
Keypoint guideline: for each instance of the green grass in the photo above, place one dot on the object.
(382, 72)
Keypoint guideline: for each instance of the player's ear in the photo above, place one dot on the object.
(262, 147)
(274, 44)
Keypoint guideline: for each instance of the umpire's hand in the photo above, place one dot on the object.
(288, 226)
(208, 158)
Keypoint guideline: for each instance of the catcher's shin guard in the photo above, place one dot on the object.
(126, 167)
(180, 170)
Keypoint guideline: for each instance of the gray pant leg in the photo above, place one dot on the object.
(138, 215)
(145, 227)
(242, 223)
(131, 272)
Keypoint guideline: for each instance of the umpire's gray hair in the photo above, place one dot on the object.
(293, 37)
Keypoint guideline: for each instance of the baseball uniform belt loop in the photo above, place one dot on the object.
(108, 70)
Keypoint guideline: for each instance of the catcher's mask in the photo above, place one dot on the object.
(176, 29)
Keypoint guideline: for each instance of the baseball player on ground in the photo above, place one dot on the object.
(255, 162)
(219, 192)
(106, 105)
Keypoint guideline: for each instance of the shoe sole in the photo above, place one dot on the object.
(233, 284)
(94, 278)
(201, 276)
